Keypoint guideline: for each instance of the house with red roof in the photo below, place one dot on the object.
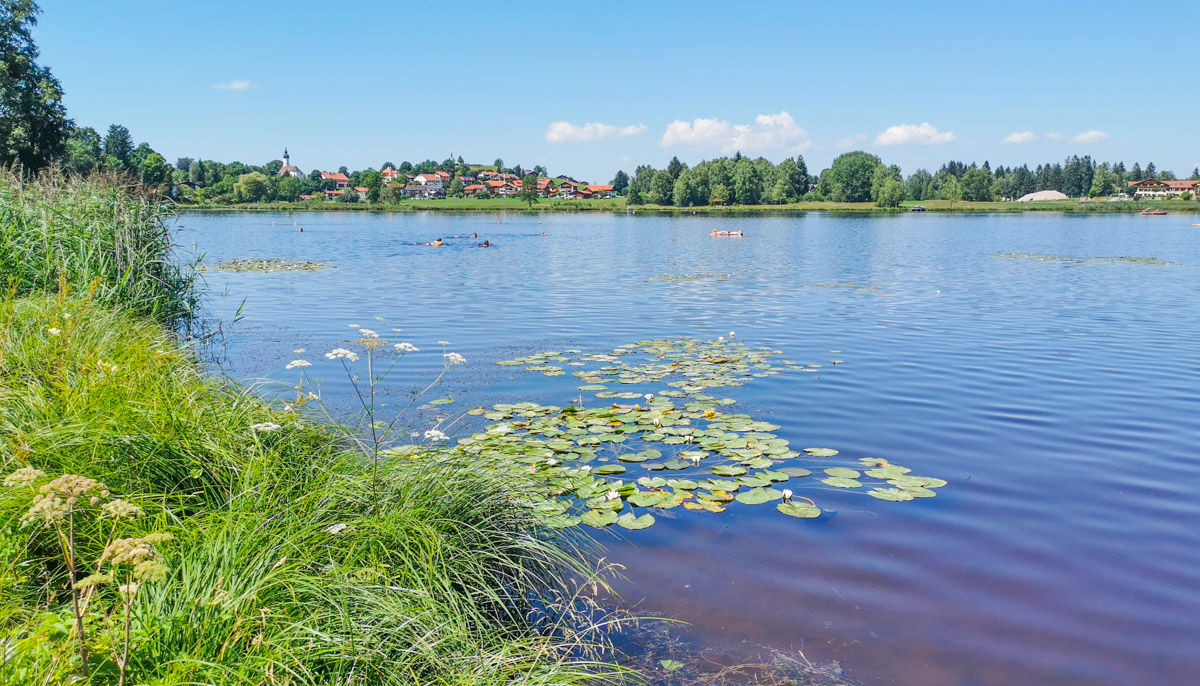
(432, 179)
(362, 192)
(474, 189)
(337, 177)
(390, 174)
(605, 191)
(333, 195)
(1155, 188)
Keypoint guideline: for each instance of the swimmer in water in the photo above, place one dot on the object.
(543, 233)
(475, 235)
(437, 242)
(486, 244)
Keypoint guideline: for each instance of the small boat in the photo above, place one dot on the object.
(1149, 212)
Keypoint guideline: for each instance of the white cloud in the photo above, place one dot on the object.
(566, 132)
(1019, 137)
(1054, 136)
(1091, 136)
(908, 134)
(769, 132)
(850, 141)
(235, 85)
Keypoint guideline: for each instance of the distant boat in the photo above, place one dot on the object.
(917, 208)
(1149, 212)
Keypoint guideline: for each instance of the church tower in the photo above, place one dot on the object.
(287, 161)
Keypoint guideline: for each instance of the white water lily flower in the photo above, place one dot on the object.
(648, 397)
(455, 358)
(696, 459)
(53, 331)
(787, 495)
(298, 363)
(342, 353)
(612, 495)
(585, 468)
(720, 338)
(406, 347)
(435, 435)
(552, 462)
(298, 351)
(731, 334)
(265, 427)
(367, 333)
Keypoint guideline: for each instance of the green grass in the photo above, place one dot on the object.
(284, 568)
(63, 232)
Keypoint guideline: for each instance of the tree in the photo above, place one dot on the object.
(620, 182)
(892, 193)
(460, 159)
(456, 187)
(118, 148)
(951, 191)
(719, 195)
(529, 189)
(687, 192)
(662, 188)
(197, 173)
(977, 185)
(154, 170)
(918, 185)
(83, 150)
(288, 189)
(498, 164)
(747, 182)
(851, 176)
(675, 167)
(1195, 174)
(250, 187)
(1102, 182)
(34, 126)
(183, 163)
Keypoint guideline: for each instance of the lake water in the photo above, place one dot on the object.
(1059, 398)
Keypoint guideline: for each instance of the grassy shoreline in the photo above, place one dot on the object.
(287, 564)
(618, 205)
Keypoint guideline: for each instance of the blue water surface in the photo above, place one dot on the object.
(1058, 397)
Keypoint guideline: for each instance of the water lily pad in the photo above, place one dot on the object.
(676, 464)
(633, 457)
(821, 452)
(802, 510)
(840, 482)
(683, 484)
(907, 481)
(652, 482)
(645, 499)
(671, 665)
(918, 492)
(795, 472)
(441, 401)
(598, 519)
(758, 496)
(633, 522)
(843, 472)
(893, 494)
(728, 470)
(753, 482)
(886, 472)
(705, 505)
(610, 469)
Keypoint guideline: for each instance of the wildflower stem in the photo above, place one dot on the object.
(69, 549)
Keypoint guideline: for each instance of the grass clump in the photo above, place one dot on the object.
(97, 234)
(162, 526)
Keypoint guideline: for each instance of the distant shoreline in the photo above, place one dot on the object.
(618, 205)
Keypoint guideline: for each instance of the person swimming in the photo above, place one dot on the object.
(475, 235)
(737, 233)
(486, 244)
(437, 242)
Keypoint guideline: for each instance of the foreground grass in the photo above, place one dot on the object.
(283, 568)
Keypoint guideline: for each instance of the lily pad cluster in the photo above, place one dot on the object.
(275, 264)
(619, 463)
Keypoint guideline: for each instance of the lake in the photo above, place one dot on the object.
(1058, 397)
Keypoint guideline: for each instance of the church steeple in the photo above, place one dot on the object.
(286, 159)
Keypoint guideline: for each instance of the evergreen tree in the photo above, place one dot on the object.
(34, 126)
(118, 148)
(675, 167)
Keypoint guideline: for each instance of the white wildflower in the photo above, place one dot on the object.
(585, 468)
(455, 358)
(380, 319)
(298, 363)
(443, 342)
(406, 347)
(25, 476)
(787, 495)
(265, 427)
(342, 354)
(353, 326)
(731, 334)
(552, 462)
(435, 435)
(53, 331)
(367, 333)
(298, 351)
(720, 338)
(649, 397)
(415, 434)
(398, 330)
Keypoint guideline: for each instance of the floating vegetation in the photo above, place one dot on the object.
(862, 288)
(275, 264)
(572, 464)
(1041, 257)
(689, 277)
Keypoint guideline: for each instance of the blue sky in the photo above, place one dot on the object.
(589, 88)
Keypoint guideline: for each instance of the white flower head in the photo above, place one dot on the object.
(367, 333)
(552, 462)
(649, 397)
(265, 427)
(443, 342)
(720, 338)
(342, 354)
(299, 351)
(612, 495)
(731, 334)
(455, 358)
(415, 434)
(435, 435)
(787, 494)
(585, 468)
(380, 319)
(398, 330)
(406, 347)
(53, 331)
(353, 326)
(298, 363)
(695, 459)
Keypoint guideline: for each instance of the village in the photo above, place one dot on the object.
(485, 183)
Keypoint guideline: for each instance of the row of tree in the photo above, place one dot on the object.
(862, 177)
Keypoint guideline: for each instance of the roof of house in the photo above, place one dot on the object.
(488, 172)
(334, 192)
(390, 172)
(361, 189)
(334, 176)
(494, 184)
(600, 189)
(568, 182)
(442, 174)
(288, 168)
(474, 187)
